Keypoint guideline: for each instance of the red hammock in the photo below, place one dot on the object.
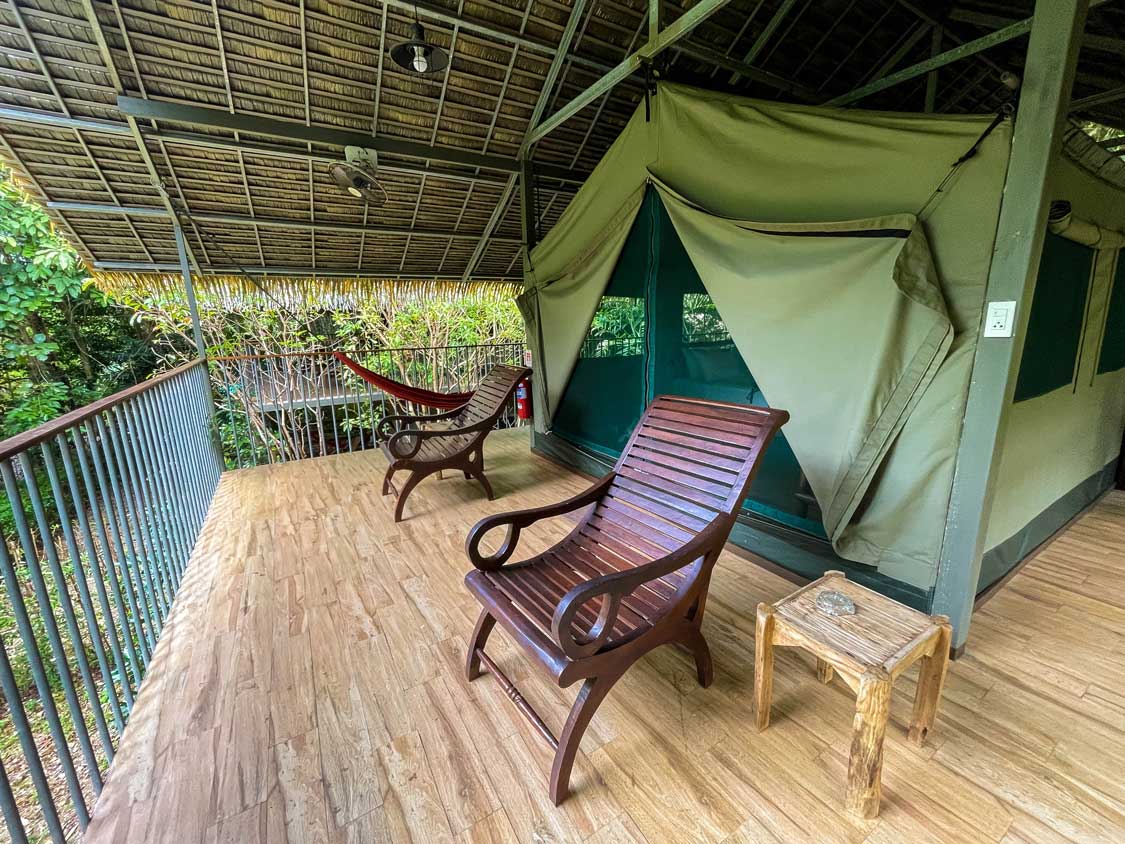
(426, 398)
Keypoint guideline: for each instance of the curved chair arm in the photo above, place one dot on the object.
(612, 588)
(389, 425)
(398, 445)
(519, 519)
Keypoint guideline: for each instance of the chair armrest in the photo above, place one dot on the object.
(417, 436)
(388, 425)
(519, 519)
(612, 588)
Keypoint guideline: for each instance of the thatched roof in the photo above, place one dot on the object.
(254, 202)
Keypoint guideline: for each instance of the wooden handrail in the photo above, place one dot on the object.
(22, 442)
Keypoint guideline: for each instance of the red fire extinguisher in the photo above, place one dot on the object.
(523, 399)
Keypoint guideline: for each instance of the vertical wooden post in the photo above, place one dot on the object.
(865, 766)
(931, 678)
(824, 671)
(1048, 75)
(763, 665)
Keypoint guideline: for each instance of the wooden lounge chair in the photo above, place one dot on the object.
(633, 574)
(455, 439)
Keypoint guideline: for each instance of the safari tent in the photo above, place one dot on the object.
(832, 263)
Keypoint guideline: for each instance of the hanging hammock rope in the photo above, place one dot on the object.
(426, 398)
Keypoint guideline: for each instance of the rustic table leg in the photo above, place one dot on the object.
(865, 768)
(824, 671)
(763, 665)
(931, 678)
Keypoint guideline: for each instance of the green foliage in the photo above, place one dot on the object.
(37, 267)
(619, 318)
(62, 342)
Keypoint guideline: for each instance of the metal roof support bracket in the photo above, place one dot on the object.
(666, 38)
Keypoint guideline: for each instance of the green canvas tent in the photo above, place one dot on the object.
(829, 262)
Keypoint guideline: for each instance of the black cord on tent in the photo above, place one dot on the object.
(651, 74)
(240, 270)
(1005, 112)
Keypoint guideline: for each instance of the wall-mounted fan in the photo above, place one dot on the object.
(356, 175)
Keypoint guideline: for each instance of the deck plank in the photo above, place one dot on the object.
(309, 688)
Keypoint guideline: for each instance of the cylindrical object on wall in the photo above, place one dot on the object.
(1062, 222)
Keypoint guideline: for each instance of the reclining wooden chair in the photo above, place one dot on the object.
(456, 442)
(633, 574)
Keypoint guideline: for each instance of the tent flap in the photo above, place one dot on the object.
(565, 304)
(867, 291)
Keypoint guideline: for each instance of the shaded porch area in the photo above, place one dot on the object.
(309, 687)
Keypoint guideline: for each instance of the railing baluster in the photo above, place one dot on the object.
(328, 371)
(251, 438)
(176, 486)
(54, 639)
(256, 369)
(181, 413)
(70, 618)
(115, 517)
(93, 629)
(134, 498)
(134, 440)
(18, 715)
(83, 513)
(291, 445)
(147, 503)
(230, 416)
(293, 366)
(184, 478)
(131, 526)
(156, 455)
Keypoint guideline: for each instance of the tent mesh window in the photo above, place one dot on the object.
(1112, 356)
(1058, 311)
(656, 331)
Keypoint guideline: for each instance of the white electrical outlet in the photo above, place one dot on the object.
(999, 319)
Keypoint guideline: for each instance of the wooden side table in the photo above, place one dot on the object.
(869, 650)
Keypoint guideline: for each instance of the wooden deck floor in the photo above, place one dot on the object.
(309, 688)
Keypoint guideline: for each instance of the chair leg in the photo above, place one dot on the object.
(704, 669)
(487, 486)
(591, 695)
(476, 470)
(387, 488)
(480, 635)
(407, 488)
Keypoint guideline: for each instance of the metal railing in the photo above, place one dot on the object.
(99, 514)
(281, 407)
(101, 509)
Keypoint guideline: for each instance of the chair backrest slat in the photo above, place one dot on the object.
(492, 394)
(688, 463)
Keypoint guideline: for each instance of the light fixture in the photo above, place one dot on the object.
(416, 55)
